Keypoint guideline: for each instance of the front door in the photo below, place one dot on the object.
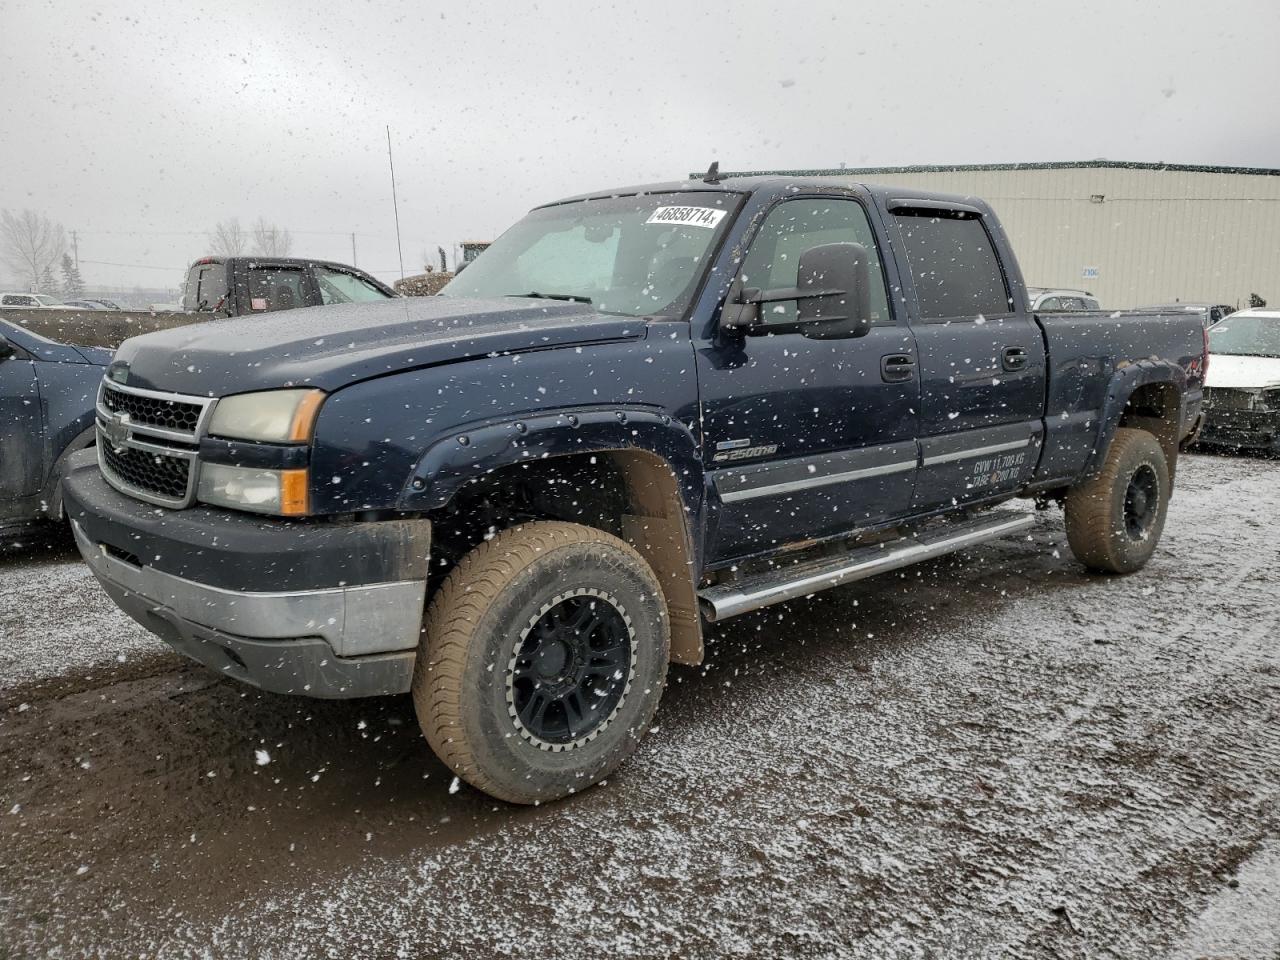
(807, 438)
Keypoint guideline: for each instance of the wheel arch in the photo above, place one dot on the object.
(53, 489)
(1147, 395)
(654, 456)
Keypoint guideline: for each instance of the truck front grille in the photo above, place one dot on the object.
(1230, 398)
(149, 442)
(153, 411)
(161, 475)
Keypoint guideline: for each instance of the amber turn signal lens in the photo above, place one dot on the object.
(304, 416)
(293, 493)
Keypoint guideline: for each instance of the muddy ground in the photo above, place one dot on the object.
(994, 755)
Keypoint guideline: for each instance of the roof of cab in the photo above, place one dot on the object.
(779, 184)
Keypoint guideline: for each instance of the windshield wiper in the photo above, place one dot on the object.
(535, 295)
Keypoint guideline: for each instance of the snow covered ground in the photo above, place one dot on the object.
(55, 620)
(994, 755)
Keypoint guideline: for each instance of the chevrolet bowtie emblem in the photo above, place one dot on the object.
(116, 429)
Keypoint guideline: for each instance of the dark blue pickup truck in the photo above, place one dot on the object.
(46, 414)
(638, 411)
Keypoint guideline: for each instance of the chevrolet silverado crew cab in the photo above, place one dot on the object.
(639, 411)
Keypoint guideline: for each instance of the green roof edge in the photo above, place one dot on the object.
(972, 167)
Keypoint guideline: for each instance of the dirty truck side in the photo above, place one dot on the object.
(637, 412)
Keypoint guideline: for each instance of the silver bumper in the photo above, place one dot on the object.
(354, 621)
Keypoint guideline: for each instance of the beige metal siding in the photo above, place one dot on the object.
(1156, 236)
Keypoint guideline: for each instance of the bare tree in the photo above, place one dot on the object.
(228, 238)
(31, 244)
(270, 240)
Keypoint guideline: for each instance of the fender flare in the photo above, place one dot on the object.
(1123, 384)
(469, 453)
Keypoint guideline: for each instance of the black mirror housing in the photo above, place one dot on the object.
(842, 268)
(7, 349)
(832, 295)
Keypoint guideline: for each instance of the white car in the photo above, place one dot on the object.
(1242, 389)
(1050, 299)
(29, 300)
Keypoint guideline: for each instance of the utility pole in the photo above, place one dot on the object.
(394, 204)
(75, 246)
(353, 251)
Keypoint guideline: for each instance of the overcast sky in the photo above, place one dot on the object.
(141, 125)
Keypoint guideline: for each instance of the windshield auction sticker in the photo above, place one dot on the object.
(691, 216)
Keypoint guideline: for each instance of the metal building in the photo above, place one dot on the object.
(1131, 233)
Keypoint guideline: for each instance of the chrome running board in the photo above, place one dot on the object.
(802, 579)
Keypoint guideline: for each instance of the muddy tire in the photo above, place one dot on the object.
(1114, 521)
(542, 660)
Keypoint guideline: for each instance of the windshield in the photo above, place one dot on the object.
(1246, 337)
(636, 256)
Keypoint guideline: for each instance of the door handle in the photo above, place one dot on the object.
(897, 368)
(1014, 358)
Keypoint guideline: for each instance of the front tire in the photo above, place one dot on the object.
(1114, 521)
(542, 661)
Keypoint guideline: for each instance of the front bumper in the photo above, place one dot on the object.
(340, 615)
(1241, 429)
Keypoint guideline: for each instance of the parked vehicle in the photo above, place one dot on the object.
(1209, 313)
(1049, 299)
(28, 300)
(83, 305)
(1242, 392)
(233, 286)
(109, 304)
(46, 414)
(639, 409)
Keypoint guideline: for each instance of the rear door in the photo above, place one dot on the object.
(982, 358)
(807, 438)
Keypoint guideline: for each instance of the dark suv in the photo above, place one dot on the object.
(235, 286)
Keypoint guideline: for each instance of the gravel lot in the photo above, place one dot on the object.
(994, 755)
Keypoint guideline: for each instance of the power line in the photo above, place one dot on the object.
(139, 266)
(205, 233)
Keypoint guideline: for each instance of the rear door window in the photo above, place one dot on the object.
(953, 262)
(339, 286)
(275, 288)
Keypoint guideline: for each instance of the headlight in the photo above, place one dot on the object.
(276, 416)
(279, 492)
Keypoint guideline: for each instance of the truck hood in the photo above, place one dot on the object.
(1243, 373)
(331, 347)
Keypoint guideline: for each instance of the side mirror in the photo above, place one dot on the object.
(832, 294)
(460, 267)
(7, 349)
(843, 307)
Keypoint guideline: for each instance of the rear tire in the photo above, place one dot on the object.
(1114, 521)
(542, 661)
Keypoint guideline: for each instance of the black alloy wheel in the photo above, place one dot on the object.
(1141, 502)
(571, 670)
